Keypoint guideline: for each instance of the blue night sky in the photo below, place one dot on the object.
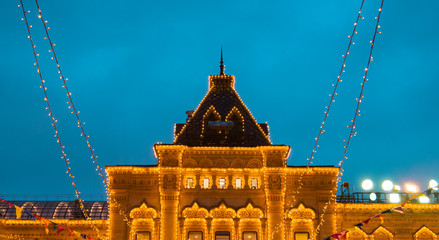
(135, 67)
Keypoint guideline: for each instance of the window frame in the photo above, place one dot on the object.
(222, 232)
(204, 182)
(244, 232)
(240, 183)
(187, 182)
(251, 182)
(202, 234)
(149, 233)
(295, 233)
(225, 182)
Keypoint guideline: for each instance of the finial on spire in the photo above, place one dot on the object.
(222, 65)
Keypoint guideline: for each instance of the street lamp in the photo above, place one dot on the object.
(433, 184)
(411, 188)
(373, 196)
(367, 184)
(394, 198)
(424, 199)
(387, 185)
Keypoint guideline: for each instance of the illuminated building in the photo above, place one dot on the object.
(222, 178)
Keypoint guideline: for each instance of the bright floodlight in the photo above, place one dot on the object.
(373, 196)
(411, 188)
(387, 185)
(367, 184)
(394, 198)
(424, 199)
(433, 184)
(397, 187)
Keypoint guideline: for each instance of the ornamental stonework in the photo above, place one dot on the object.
(275, 159)
(301, 213)
(223, 212)
(255, 163)
(169, 182)
(274, 182)
(250, 212)
(143, 212)
(169, 158)
(195, 212)
(190, 163)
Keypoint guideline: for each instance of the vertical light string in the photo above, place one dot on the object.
(54, 121)
(352, 132)
(332, 96)
(76, 112)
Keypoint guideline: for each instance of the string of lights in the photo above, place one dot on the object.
(69, 95)
(54, 121)
(74, 111)
(10, 236)
(332, 96)
(352, 132)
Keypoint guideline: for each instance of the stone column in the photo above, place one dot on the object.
(157, 228)
(169, 198)
(118, 227)
(274, 191)
(288, 229)
(237, 233)
(209, 228)
(275, 217)
(182, 233)
(264, 227)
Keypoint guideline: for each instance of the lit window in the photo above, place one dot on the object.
(206, 182)
(301, 236)
(249, 236)
(222, 183)
(143, 236)
(195, 236)
(222, 235)
(190, 183)
(254, 182)
(238, 183)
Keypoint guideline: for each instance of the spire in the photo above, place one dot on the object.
(222, 65)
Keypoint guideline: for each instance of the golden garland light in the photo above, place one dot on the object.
(69, 95)
(352, 132)
(76, 112)
(54, 121)
(10, 236)
(328, 107)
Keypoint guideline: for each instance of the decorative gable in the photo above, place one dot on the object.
(222, 119)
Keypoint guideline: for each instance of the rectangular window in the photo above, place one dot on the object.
(301, 236)
(143, 236)
(195, 236)
(222, 183)
(222, 235)
(190, 183)
(238, 183)
(254, 182)
(249, 236)
(206, 183)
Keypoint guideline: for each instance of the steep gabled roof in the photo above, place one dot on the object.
(222, 119)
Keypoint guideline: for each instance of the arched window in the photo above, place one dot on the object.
(62, 211)
(210, 132)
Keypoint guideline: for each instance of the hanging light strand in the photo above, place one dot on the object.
(69, 95)
(352, 132)
(76, 113)
(332, 96)
(54, 121)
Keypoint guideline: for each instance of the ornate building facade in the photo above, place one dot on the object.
(222, 178)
